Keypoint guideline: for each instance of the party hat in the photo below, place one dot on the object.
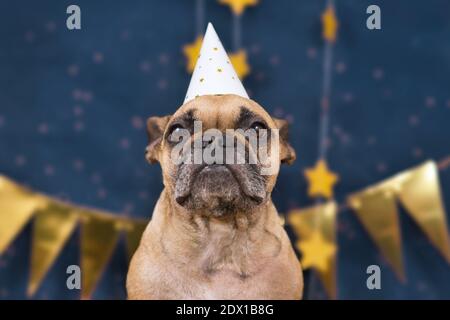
(213, 73)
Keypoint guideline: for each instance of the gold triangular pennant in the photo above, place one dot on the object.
(52, 228)
(99, 237)
(133, 236)
(376, 209)
(17, 206)
(420, 194)
(319, 221)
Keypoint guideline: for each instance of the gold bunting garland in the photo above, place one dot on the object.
(17, 206)
(377, 212)
(420, 194)
(53, 225)
(418, 191)
(316, 229)
(98, 240)
(51, 230)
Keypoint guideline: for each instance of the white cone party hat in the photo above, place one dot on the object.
(213, 73)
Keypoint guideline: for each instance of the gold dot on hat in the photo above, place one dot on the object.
(202, 79)
(219, 70)
(215, 49)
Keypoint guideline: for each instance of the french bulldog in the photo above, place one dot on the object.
(215, 233)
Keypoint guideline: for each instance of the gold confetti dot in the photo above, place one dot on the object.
(219, 70)
(202, 79)
(233, 78)
(215, 49)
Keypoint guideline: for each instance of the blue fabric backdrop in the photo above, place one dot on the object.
(73, 106)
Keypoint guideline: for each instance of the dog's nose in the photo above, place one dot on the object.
(181, 199)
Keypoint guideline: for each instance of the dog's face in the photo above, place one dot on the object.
(218, 188)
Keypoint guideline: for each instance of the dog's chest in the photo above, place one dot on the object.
(232, 270)
(228, 285)
(271, 282)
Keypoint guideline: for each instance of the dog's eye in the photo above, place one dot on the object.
(176, 128)
(258, 126)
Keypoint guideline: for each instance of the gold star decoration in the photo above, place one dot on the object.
(240, 64)
(329, 24)
(238, 6)
(191, 52)
(321, 180)
(316, 252)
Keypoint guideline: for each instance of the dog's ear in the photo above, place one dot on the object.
(155, 130)
(287, 153)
